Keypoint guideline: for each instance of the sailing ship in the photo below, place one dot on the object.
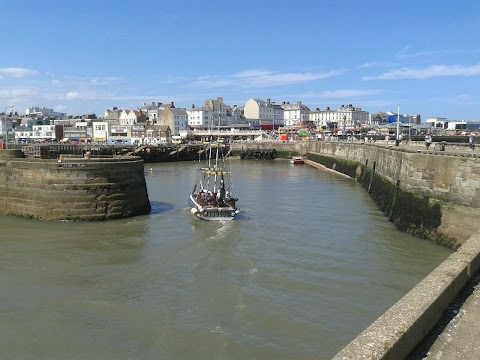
(211, 198)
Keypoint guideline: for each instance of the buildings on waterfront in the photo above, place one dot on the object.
(345, 117)
(157, 122)
(259, 113)
(213, 114)
(42, 111)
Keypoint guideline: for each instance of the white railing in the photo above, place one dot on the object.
(230, 132)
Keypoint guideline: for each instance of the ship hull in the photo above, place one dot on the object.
(211, 213)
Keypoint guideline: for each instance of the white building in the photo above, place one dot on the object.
(127, 117)
(264, 114)
(198, 116)
(6, 125)
(43, 132)
(82, 124)
(345, 117)
(100, 131)
(44, 112)
(295, 113)
(179, 118)
(214, 113)
(22, 133)
(443, 123)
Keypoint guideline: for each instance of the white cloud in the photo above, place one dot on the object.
(16, 72)
(15, 93)
(405, 54)
(342, 94)
(369, 64)
(402, 53)
(72, 95)
(262, 78)
(428, 72)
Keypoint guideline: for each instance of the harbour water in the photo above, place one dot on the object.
(306, 266)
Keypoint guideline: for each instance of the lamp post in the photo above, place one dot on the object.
(6, 127)
(397, 140)
(409, 129)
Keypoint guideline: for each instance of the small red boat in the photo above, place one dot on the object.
(297, 160)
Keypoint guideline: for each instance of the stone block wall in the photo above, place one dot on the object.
(450, 178)
(433, 196)
(73, 189)
(283, 149)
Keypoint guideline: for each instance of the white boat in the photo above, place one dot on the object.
(297, 160)
(211, 198)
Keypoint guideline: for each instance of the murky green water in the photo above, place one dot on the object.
(308, 264)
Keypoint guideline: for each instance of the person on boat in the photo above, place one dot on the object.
(211, 199)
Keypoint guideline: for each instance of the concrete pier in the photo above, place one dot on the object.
(459, 339)
(396, 333)
(73, 188)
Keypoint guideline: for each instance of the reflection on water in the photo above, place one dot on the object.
(306, 266)
(160, 207)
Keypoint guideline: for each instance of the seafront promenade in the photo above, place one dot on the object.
(456, 336)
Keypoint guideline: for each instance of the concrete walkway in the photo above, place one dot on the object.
(452, 149)
(460, 339)
(456, 336)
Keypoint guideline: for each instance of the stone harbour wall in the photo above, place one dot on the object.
(435, 196)
(447, 177)
(73, 189)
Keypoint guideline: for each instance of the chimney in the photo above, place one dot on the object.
(173, 105)
(193, 106)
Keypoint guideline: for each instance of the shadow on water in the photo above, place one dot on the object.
(159, 207)
(243, 216)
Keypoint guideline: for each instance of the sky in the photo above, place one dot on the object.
(88, 56)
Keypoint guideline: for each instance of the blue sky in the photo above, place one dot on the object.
(90, 55)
